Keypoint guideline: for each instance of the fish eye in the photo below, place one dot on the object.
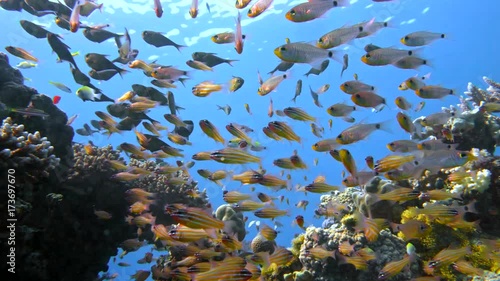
(346, 85)
(358, 96)
(292, 12)
(463, 154)
(367, 56)
(249, 12)
(407, 37)
(339, 136)
(216, 36)
(282, 49)
(320, 40)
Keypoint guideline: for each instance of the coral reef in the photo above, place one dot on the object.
(234, 219)
(27, 153)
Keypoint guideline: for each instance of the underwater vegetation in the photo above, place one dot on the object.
(429, 210)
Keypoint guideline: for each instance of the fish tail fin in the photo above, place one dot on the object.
(385, 126)
(230, 62)
(180, 47)
(122, 71)
(97, 96)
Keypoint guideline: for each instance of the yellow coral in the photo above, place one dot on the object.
(349, 221)
(296, 244)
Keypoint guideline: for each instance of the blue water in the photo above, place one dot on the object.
(468, 53)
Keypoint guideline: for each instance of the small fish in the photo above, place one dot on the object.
(421, 38)
(283, 130)
(299, 52)
(359, 132)
(210, 59)
(227, 109)
(369, 162)
(198, 65)
(223, 38)
(302, 204)
(158, 8)
(411, 62)
(448, 256)
(259, 7)
(402, 103)
(238, 35)
(174, 119)
(205, 88)
(270, 213)
(71, 119)
(297, 161)
(325, 145)
(345, 64)
(411, 229)
(298, 90)
(270, 110)
(420, 106)
(247, 108)
(315, 97)
(237, 132)
(340, 36)
(234, 196)
(340, 110)
(235, 83)
(21, 53)
(158, 40)
(74, 19)
(298, 114)
(406, 123)
(270, 84)
(434, 92)
(348, 161)
(193, 10)
(392, 162)
(195, 218)
(56, 99)
(354, 86)
(394, 267)
(234, 156)
(208, 7)
(210, 130)
(88, 7)
(26, 65)
(312, 10)
(320, 187)
(369, 99)
(385, 56)
(317, 130)
(87, 93)
(61, 86)
(241, 4)
(299, 220)
(316, 71)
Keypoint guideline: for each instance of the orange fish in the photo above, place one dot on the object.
(299, 220)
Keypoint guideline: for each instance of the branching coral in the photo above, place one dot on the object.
(27, 153)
